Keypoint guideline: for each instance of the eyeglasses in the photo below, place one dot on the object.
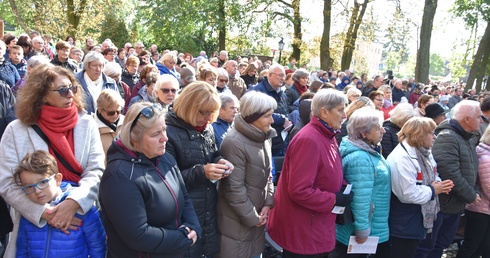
(148, 112)
(65, 90)
(206, 113)
(28, 189)
(224, 80)
(166, 91)
(279, 75)
(111, 113)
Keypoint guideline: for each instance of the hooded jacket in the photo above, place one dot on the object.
(145, 204)
(343, 84)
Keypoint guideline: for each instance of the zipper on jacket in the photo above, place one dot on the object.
(47, 241)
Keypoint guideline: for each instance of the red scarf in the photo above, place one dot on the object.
(200, 128)
(301, 89)
(57, 124)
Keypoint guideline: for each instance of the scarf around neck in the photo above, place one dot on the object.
(57, 124)
(431, 208)
(301, 89)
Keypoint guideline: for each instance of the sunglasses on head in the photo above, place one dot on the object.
(169, 90)
(148, 112)
(64, 91)
(111, 113)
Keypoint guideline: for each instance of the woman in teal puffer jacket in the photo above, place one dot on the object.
(366, 169)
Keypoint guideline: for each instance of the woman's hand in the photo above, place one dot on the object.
(192, 235)
(229, 166)
(264, 215)
(443, 187)
(215, 171)
(63, 216)
(361, 240)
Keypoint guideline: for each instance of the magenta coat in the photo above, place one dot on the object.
(301, 220)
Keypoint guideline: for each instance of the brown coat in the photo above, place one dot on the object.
(106, 133)
(242, 195)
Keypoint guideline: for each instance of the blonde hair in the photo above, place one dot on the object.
(109, 97)
(357, 104)
(197, 96)
(40, 162)
(415, 130)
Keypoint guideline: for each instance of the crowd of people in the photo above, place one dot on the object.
(125, 152)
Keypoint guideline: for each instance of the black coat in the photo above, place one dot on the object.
(144, 204)
(68, 64)
(390, 139)
(192, 150)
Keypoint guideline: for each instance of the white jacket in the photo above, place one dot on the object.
(404, 167)
(20, 139)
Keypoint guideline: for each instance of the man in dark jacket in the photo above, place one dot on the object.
(455, 154)
(61, 58)
(272, 87)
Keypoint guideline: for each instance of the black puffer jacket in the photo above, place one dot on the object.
(455, 154)
(145, 204)
(390, 138)
(192, 150)
(68, 64)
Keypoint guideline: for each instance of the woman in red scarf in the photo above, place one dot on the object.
(51, 118)
(300, 86)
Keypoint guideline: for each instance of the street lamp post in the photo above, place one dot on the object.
(281, 47)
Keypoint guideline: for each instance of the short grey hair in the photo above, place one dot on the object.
(353, 91)
(112, 69)
(275, 67)
(37, 60)
(463, 108)
(401, 113)
(165, 79)
(128, 136)
(362, 121)
(222, 72)
(228, 98)
(300, 73)
(328, 99)
(188, 74)
(256, 102)
(93, 56)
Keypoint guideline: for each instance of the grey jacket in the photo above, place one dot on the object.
(455, 155)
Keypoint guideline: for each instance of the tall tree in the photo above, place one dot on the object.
(473, 13)
(325, 60)
(351, 35)
(296, 21)
(423, 53)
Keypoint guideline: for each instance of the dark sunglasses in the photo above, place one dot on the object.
(225, 80)
(148, 112)
(64, 91)
(166, 91)
(111, 113)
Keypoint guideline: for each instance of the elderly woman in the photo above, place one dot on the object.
(246, 196)
(387, 101)
(398, 117)
(147, 210)
(76, 55)
(369, 174)
(415, 186)
(300, 86)
(228, 110)
(130, 75)
(222, 81)
(302, 221)
(167, 65)
(51, 118)
(165, 89)
(114, 71)
(93, 80)
(377, 97)
(208, 73)
(142, 75)
(146, 93)
(109, 116)
(191, 142)
(249, 76)
(357, 104)
(423, 102)
(353, 94)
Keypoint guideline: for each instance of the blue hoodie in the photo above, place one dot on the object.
(343, 83)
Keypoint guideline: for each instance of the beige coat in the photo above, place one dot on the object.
(106, 133)
(242, 195)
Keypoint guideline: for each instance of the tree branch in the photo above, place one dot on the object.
(285, 3)
(283, 15)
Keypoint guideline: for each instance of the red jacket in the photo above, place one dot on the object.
(301, 220)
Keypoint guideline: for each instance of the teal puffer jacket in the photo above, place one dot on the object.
(369, 175)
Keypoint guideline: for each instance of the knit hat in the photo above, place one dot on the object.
(434, 110)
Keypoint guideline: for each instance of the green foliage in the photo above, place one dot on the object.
(115, 29)
(472, 11)
(395, 49)
(458, 66)
(436, 63)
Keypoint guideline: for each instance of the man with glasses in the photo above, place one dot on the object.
(138, 47)
(236, 83)
(37, 44)
(61, 59)
(271, 85)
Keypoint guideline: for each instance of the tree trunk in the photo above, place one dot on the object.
(423, 53)
(351, 36)
(222, 25)
(16, 12)
(298, 35)
(325, 59)
(480, 62)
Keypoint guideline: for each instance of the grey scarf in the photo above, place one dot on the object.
(431, 208)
